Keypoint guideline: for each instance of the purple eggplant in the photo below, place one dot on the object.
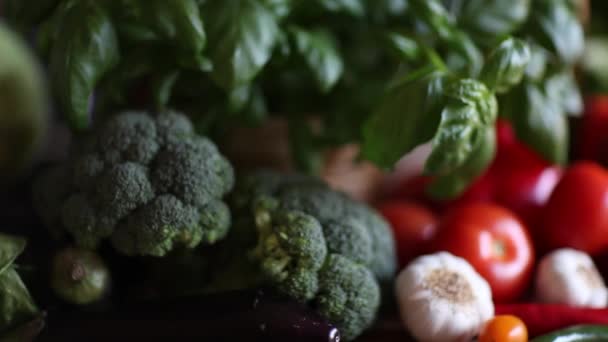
(249, 315)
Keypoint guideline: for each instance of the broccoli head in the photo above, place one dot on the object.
(291, 249)
(316, 245)
(350, 228)
(149, 184)
(348, 296)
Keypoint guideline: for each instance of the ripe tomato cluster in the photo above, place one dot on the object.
(521, 208)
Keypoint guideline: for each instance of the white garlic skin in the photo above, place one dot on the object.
(568, 276)
(432, 318)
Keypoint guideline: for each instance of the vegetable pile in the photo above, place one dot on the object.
(145, 226)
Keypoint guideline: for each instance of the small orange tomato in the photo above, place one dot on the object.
(504, 328)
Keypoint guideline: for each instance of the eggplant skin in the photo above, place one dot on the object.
(244, 315)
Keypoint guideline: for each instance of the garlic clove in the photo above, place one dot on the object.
(568, 276)
(442, 298)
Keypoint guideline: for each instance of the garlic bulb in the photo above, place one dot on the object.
(568, 276)
(442, 298)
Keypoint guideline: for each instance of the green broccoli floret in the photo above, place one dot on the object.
(147, 183)
(350, 228)
(291, 249)
(348, 296)
(315, 245)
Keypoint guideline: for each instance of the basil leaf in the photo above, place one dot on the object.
(488, 20)
(24, 15)
(406, 117)
(436, 17)
(475, 94)
(537, 65)
(48, 31)
(178, 22)
(162, 86)
(406, 48)
(506, 65)
(562, 88)
(557, 28)
(249, 102)
(457, 136)
(85, 50)
(242, 36)
(352, 7)
(470, 109)
(595, 63)
(16, 303)
(280, 8)
(320, 52)
(10, 248)
(451, 185)
(540, 122)
(238, 98)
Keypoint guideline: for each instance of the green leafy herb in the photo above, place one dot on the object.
(353, 7)
(86, 48)
(16, 304)
(557, 28)
(455, 182)
(10, 248)
(438, 19)
(242, 34)
(178, 22)
(320, 52)
(470, 110)
(395, 127)
(540, 121)
(488, 20)
(561, 87)
(506, 65)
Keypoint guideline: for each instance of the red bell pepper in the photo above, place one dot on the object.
(544, 318)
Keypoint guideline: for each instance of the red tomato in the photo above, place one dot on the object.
(413, 226)
(525, 191)
(518, 179)
(592, 139)
(504, 328)
(577, 212)
(494, 241)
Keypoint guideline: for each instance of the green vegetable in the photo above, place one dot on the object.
(581, 333)
(486, 20)
(16, 303)
(398, 125)
(542, 122)
(556, 27)
(506, 65)
(79, 276)
(321, 54)
(372, 72)
(242, 35)
(23, 105)
(86, 47)
(315, 245)
(150, 184)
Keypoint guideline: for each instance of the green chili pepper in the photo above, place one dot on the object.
(579, 333)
